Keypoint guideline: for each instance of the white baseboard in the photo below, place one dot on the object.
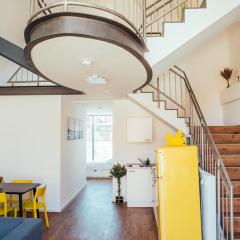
(73, 196)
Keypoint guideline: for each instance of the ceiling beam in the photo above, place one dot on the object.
(14, 53)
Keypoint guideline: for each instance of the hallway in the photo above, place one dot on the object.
(92, 216)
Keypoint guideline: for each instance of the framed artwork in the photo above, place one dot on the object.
(71, 129)
(75, 128)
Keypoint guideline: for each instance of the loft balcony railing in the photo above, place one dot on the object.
(131, 13)
(24, 77)
(143, 17)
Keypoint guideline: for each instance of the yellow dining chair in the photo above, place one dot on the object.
(4, 208)
(28, 196)
(38, 203)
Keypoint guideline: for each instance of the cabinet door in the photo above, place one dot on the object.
(138, 185)
(139, 129)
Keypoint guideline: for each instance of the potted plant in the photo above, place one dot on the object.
(226, 74)
(118, 172)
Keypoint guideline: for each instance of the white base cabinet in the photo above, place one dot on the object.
(139, 187)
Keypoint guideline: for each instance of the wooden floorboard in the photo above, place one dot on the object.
(93, 216)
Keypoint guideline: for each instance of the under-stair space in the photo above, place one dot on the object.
(170, 98)
(227, 139)
(167, 98)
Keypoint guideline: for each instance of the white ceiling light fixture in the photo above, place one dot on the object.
(87, 62)
(95, 79)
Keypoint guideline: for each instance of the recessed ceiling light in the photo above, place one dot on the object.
(95, 79)
(87, 62)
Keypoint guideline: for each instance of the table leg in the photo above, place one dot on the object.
(34, 192)
(20, 205)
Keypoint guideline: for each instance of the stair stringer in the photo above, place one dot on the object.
(145, 100)
(199, 25)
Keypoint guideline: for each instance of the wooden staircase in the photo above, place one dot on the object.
(227, 139)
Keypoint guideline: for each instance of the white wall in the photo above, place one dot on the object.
(30, 142)
(34, 145)
(124, 152)
(73, 153)
(234, 47)
(230, 100)
(203, 67)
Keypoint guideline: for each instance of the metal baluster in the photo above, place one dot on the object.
(144, 19)
(228, 223)
(231, 213)
(175, 82)
(158, 93)
(169, 82)
(222, 198)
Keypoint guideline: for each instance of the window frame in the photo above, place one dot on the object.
(93, 160)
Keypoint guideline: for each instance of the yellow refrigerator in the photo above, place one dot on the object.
(179, 215)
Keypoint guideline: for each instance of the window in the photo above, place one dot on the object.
(99, 138)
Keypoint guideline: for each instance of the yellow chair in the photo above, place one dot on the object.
(28, 196)
(5, 209)
(37, 203)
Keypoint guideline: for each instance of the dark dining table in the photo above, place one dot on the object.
(19, 189)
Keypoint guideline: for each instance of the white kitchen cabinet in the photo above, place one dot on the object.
(139, 129)
(139, 187)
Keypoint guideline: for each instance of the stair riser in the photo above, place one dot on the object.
(231, 161)
(236, 189)
(225, 149)
(234, 173)
(225, 130)
(236, 206)
(236, 225)
(227, 138)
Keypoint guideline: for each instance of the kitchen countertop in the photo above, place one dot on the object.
(138, 166)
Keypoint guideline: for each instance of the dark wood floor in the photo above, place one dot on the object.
(92, 216)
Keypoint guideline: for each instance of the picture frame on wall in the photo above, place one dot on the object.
(71, 128)
(75, 129)
(81, 129)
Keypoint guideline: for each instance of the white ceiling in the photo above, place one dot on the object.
(60, 59)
